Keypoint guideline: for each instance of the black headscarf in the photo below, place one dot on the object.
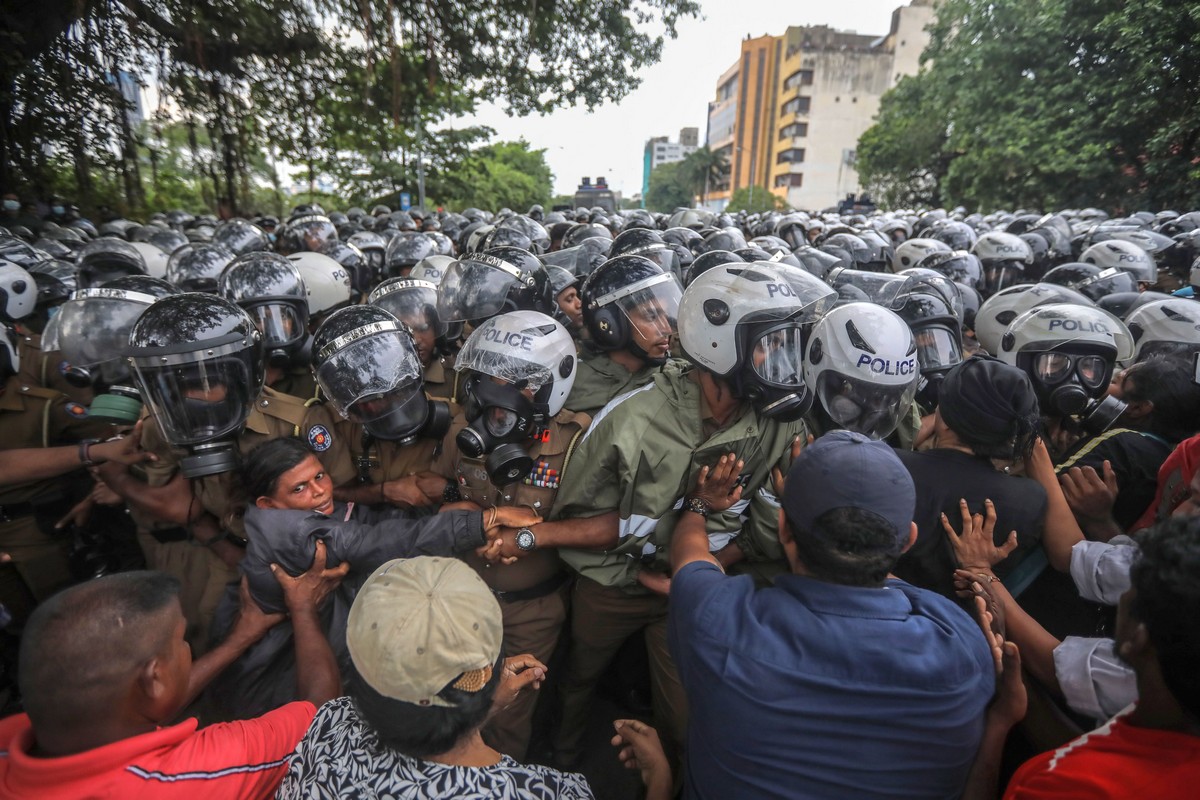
(991, 406)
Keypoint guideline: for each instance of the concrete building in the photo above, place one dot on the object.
(798, 103)
(660, 150)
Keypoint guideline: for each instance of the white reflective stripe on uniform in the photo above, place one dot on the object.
(637, 525)
(616, 401)
(769, 496)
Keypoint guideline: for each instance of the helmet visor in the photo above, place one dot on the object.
(937, 348)
(412, 302)
(880, 288)
(391, 416)
(1051, 368)
(279, 323)
(777, 357)
(474, 289)
(871, 409)
(1108, 282)
(198, 401)
(367, 366)
(1002, 275)
(93, 328)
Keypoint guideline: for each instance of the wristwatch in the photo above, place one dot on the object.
(526, 541)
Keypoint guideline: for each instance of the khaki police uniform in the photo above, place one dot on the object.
(441, 381)
(32, 416)
(640, 458)
(532, 591)
(598, 379)
(203, 574)
(297, 381)
(47, 368)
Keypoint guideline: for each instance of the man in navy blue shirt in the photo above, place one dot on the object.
(839, 681)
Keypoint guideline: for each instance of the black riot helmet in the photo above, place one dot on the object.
(816, 262)
(366, 363)
(91, 330)
(647, 244)
(405, 251)
(530, 229)
(356, 264)
(707, 260)
(1090, 280)
(102, 260)
(310, 233)
(627, 292)
(481, 285)
(55, 281)
(937, 331)
(240, 237)
(585, 230)
(196, 269)
(272, 291)
(957, 265)
(858, 250)
(723, 239)
(414, 303)
(372, 246)
(198, 362)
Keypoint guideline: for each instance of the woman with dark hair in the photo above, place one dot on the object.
(290, 507)
(985, 424)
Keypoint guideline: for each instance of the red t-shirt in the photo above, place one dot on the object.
(235, 759)
(1118, 760)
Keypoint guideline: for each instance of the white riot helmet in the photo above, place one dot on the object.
(1124, 256)
(326, 281)
(431, 268)
(862, 366)
(910, 252)
(155, 258)
(1166, 326)
(1068, 352)
(999, 310)
(1004, 257)
(506, 356)
(18, 292)
(744, 322)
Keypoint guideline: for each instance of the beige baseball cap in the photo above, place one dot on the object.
(420, 624)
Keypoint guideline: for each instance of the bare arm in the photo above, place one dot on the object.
(317, 678)
(1060, 530)
(717, 489)
(172, 502)
(39, 463)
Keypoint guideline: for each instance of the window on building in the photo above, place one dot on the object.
(793, 156)
(801, 77)
(792, 180)
(794, 130)
(797, 105)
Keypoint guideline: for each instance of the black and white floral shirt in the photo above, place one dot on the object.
(340, 756)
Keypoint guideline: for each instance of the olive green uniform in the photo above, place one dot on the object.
(532, 591)
(30, 417)
(640, 458)
(598, 379)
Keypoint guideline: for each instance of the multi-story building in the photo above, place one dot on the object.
(660, 150)
(798, 103)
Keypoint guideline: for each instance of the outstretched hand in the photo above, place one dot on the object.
(308, 590)
(778, 476)
(1088, 494)
(976, 547)
(520, 673)
(638, 747)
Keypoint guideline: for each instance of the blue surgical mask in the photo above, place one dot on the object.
(57, 209)
(12, 205)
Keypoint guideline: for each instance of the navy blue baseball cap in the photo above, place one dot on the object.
(844, 469)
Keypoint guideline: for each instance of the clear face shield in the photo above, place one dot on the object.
(1108, 282)
(880, 288)
(1001, 275)
(475, 288)
(92, 333)
(872, 409)
(367, 363)
(280, 324)
(938, 348)
(776, 368)
(652, 308)
(201, 396)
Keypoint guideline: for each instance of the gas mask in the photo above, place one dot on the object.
(500, 420)
(1072, 385)
(772, 379)
(402, 416)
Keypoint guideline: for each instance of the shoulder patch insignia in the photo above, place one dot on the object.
(76, 410)
(63, 366)
(319, 438)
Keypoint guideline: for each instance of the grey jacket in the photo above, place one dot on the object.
(264, 677)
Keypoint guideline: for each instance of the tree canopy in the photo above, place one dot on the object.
(1048, 104)
(756, 201)
(669, 188)
(352, 91)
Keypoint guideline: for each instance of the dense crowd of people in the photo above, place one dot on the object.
(899, 504)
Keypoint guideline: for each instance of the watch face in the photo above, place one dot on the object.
(525, 539)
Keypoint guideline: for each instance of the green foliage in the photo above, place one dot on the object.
(702, 169)
(1046, 103)
(356, 92)
(506, 174)
(669, 188)
(755, 200)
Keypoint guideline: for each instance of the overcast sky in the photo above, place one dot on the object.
(674, 93)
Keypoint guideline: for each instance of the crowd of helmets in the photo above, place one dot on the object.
(1066, 296)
